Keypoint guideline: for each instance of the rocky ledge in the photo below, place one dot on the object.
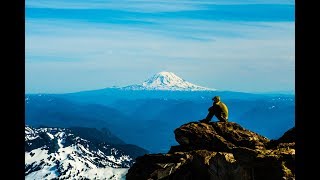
(219, 151)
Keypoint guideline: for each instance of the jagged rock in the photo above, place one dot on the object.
(218, 136)
(198, 164)
(239, 136)
(180, 148)
(224, 166)
(287, 139)
(158, 166)
(201, 136)
(289, 136)
(217, 166)
(219, 151)
(267, 164)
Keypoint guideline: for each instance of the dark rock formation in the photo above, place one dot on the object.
(288, 139)
(218, 136)
(219, 151)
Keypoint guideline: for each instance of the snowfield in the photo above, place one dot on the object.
(167, 81)
(56, 153)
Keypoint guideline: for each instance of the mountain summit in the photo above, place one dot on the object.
(167, 81)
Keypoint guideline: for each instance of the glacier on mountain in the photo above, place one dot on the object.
(167, 81)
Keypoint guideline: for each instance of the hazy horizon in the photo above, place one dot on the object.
(244, 46)
(90, 89)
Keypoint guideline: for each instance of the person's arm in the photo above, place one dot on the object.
(225, 112)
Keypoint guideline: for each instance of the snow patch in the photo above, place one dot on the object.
(167, 81)
(50, 135)
(74, 160)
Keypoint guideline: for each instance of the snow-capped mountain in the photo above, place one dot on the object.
(57, 153)
(167, 81)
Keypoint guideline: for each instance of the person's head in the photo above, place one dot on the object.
(216, 99)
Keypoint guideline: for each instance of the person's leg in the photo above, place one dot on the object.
(209, 116)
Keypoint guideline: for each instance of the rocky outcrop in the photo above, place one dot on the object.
(219, 151)
(288, 139)
(218, 136)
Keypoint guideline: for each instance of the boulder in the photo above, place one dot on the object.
(218, 136)
(219, 151)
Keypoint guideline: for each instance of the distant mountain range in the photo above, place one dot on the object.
(140, 121)
(138, 114)
(76, 153)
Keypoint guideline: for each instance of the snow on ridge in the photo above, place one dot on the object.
(57, 153)
(30, 134)
(167, 81)
(50, 135)
(67, 165)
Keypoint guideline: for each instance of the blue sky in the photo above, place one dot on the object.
(224, 44)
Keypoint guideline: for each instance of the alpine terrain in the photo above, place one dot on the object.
(64, 153)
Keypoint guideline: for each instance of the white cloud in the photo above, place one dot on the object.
(175, 39)
(70, 56)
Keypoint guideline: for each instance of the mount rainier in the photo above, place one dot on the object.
(167, 81)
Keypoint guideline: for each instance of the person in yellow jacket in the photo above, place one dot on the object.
(218, 109)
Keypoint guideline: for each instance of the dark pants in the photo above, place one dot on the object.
(211, 114)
